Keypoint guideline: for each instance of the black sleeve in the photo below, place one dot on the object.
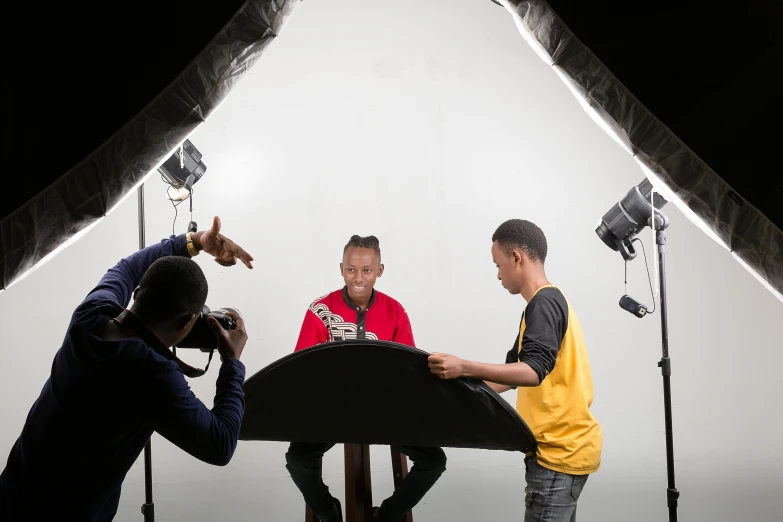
(181, 418)
(546, 322)
(513, 354)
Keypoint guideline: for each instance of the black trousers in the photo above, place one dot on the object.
(303, 461)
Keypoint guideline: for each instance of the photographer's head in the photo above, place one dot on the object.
(519, 250)
(170, 297)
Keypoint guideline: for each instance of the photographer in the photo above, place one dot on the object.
(114, 382)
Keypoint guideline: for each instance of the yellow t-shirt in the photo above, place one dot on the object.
(557, 411)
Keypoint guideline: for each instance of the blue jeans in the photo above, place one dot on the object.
(550, 496)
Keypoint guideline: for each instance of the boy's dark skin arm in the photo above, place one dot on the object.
(520, 276)
(499, 388)
(500, 377)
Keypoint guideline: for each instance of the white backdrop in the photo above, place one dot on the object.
(428, 124)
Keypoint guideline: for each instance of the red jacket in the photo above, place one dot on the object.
(334, 317)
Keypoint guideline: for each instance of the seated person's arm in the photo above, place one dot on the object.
(313, 332)
(403, 332)
(175, 412)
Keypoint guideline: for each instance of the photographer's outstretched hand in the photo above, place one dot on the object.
(230, 342)
(224, 250)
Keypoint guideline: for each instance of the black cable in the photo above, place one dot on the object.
(175, 220)
(626, 277)
(649, 279)
(175, 205)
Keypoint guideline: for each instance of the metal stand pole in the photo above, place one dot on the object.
(148, 508)
(672, 495)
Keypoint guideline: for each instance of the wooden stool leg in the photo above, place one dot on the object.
(400, 470)
(358, 483)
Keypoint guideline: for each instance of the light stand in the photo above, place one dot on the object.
(148, 508)
(183, 168)
(659, 222)
(617, 228)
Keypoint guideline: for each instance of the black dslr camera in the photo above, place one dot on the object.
(202, 337)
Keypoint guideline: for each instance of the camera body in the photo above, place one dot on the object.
(202, 337)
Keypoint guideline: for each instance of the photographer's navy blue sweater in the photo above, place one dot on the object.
(101, 405)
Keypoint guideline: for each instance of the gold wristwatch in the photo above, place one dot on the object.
(191, 247)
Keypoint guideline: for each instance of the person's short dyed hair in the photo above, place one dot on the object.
(364, 242)
(524, 235)
(171, 287)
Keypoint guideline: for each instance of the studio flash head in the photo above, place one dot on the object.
(628, 217)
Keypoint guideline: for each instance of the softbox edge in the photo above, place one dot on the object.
(86, 193)
(698, 191)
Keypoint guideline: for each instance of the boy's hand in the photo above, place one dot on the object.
(446, 366)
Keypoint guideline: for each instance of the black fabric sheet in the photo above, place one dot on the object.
(693, 90)
(376, 392)
(94, 96)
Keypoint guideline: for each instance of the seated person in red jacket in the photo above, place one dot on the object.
(358, 311)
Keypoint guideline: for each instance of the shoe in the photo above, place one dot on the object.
(338, 513)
